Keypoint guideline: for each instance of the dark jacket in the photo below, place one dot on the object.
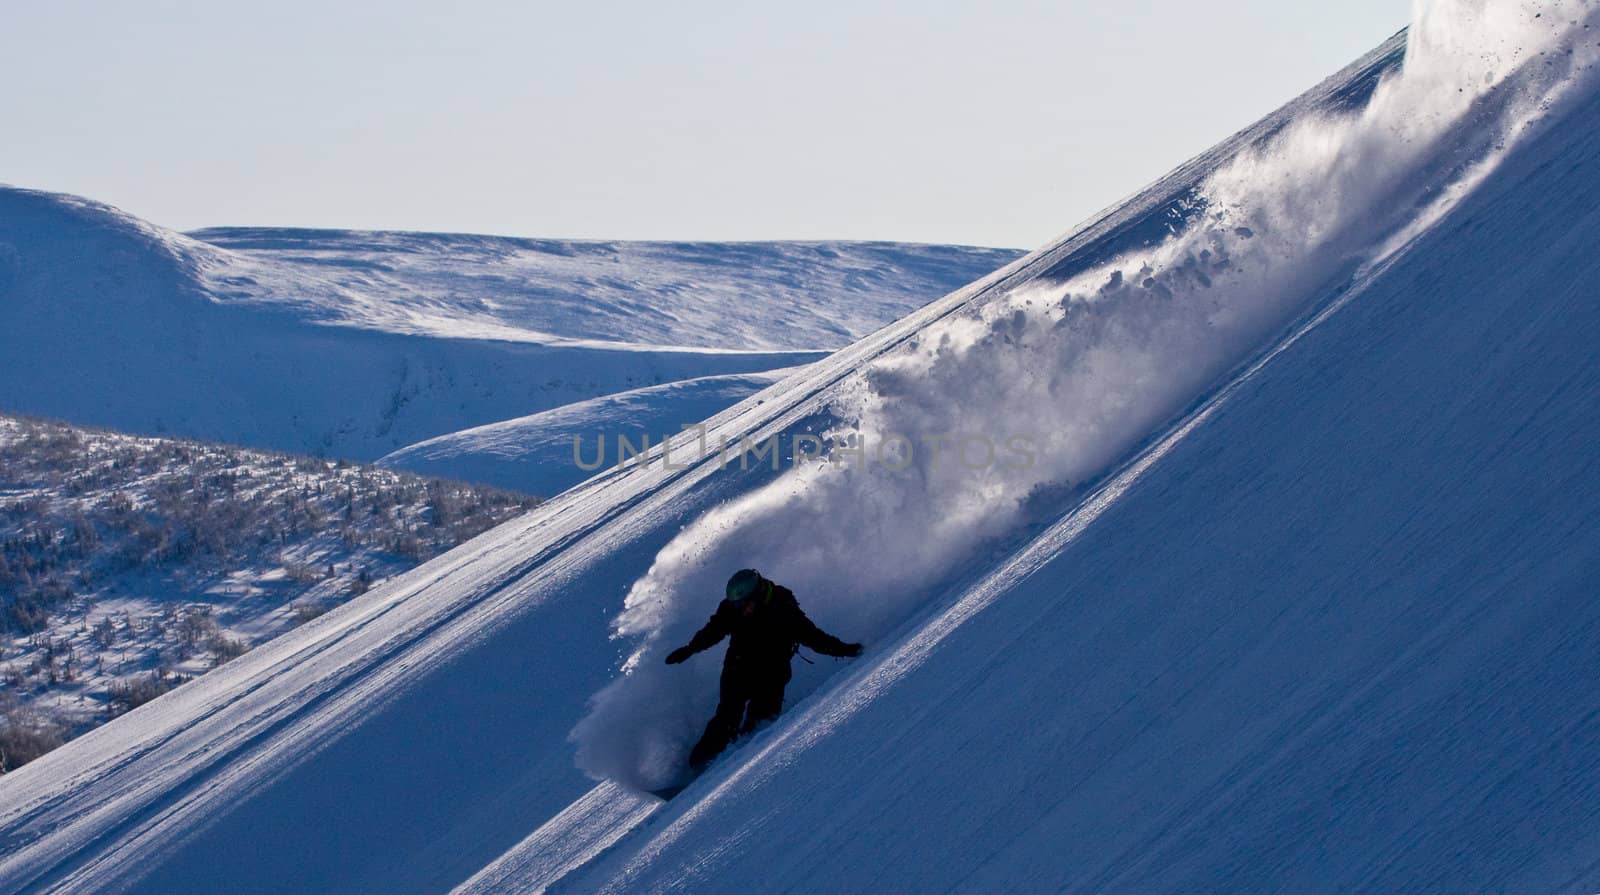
(766, 635)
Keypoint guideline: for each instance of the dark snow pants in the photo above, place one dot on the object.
(749, 697)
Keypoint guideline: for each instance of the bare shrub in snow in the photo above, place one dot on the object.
(174, 528)
(127, 695)
(304, 612)
(27, 732)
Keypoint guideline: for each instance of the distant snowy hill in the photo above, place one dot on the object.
(749, 296)
(1290, 587)
(357, 344)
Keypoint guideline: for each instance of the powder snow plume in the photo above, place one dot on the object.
(1081, 370)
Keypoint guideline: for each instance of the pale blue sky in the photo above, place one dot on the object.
(995, 123)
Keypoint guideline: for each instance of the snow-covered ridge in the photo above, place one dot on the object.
(358, 344)
(750, 296)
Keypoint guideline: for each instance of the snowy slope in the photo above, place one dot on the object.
(310, 746)
(1082, 672)
(760, 296)
(357, 344)
(1336, 636)
(535, 454)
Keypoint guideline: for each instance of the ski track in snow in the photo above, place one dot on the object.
(577, 835)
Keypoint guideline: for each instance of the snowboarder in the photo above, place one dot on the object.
(764, 627)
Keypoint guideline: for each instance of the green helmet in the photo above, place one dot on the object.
(743, 583)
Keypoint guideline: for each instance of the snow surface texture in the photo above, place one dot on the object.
(357, 344)
(1319, 636)
(535, 454)
(1080, 369)
(752, 296)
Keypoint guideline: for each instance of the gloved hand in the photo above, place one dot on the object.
(679, 655)
(852, 650)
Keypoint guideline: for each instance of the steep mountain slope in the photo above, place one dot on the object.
(1335, 634)
(404, 741)
(356, 344)
(410, 740)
